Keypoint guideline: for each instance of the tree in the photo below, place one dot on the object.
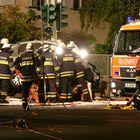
(19, 26)
(113, 11)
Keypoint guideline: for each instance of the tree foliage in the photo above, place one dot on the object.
(18, 26)
(115, 12)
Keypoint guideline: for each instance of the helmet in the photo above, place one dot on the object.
(29, 46)
(69, 45)
(46, 47)
(4, 40)
(6, 45)
(61, 44)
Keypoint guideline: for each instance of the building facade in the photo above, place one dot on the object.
(73, 30)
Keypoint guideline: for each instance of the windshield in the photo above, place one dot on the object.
(128, 42)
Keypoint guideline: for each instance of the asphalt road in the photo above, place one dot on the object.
(59, 123)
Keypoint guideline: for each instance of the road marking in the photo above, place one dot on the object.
(37, 132)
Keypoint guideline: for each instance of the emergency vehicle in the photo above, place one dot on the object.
(123, 61)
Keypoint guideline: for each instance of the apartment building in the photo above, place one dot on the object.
(73, 30)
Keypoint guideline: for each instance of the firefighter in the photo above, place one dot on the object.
(6, 68)
(47, 73)
(80, 74)
(67, 74)
(26, 63)
(58, 52)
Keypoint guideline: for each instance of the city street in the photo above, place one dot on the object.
(70, 122)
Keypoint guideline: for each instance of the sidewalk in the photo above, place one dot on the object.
(96, 101)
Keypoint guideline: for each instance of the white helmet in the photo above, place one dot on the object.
(69, 46)
(46, 47)
(71, 42)
(4, 40)
(61, 44)
(29, 46)
(6, 45)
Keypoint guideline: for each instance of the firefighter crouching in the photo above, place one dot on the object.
(27, 63)
(6, 67)
(47, 73)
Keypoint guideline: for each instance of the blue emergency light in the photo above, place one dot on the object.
(130, 19)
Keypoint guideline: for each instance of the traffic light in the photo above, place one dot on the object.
(61, 17)
(45, 14)
(48, 30)
(48, 13)
(52, 13)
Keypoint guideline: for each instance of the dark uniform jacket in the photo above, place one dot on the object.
(79, 67)
(67, 68)
(27, 64)
(6, 64)
(47, 65)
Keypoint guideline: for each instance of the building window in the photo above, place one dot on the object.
(73, 4)
(76, 5)
(37, 2)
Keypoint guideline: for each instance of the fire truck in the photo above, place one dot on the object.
(123, 61)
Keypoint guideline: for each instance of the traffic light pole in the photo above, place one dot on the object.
(54, 35)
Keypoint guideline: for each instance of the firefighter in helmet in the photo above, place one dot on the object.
(6, 67)
(47, 74)
(67, 72)
(26, 63)
(80, 74)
